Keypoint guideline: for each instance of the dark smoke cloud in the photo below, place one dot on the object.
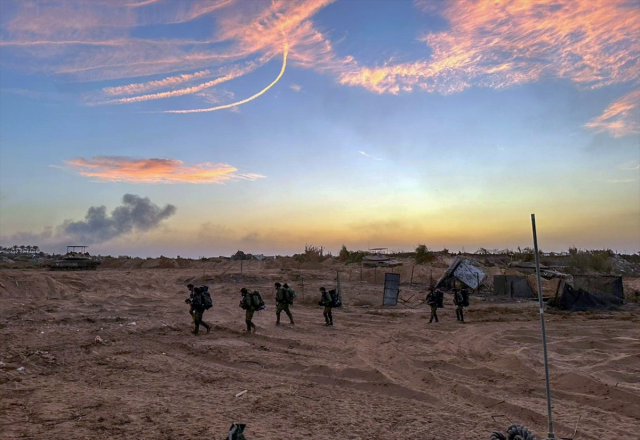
(136, 214)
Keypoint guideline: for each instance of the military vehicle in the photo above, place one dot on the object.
(76, 258)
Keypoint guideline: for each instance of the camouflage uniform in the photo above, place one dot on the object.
(433, 303)
(197, 311)
(325, 300)
(282, 305)
(246, 304)
(458, 300)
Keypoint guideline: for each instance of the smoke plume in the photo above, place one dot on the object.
(136, 214)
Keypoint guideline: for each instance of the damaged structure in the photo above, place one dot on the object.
(589, 292)
(463, 271)
(513, 286)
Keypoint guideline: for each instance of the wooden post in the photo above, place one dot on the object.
(411, 282)
(302, 288)
(339, 286)
(361, 268)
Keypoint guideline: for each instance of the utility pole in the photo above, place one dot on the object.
(544, 333)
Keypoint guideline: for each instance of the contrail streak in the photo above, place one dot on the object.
(244, 101)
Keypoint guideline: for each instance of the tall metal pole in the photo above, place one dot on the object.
(544, 333)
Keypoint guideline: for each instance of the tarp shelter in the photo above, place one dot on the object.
(601, 285)
(391, 289)
(591, 293)
(513, 286)
(463, 271)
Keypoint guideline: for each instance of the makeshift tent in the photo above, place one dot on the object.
(599, 284)
(513, 286)
(463, 271)
(606, 293)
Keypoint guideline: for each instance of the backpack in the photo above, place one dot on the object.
(280, 295)
(335, 299)
(288, 295)
(256, 301)
(206, 300)
(465, 297)
(440, 298)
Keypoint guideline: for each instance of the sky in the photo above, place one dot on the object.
(197, 128)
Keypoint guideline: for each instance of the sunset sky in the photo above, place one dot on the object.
(208, 126)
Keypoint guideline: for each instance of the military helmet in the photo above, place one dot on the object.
(278, 284)
(243, 290)
(322, 289)
(286, 286)
(190, 286)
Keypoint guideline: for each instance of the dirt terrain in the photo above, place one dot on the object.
(379, 373)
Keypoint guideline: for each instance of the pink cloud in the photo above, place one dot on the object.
(154, 171)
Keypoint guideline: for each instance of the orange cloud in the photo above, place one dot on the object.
(621, 117)
(501, 43)
(124, 169)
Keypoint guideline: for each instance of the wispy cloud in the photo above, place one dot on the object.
(132, 89)
(153, 171)
(244, 101)
(487, 43)
(621, 117)
(235, 73)
(368, 155)
(501, 44)
(631, 165)
(295, 87)
(92, 41)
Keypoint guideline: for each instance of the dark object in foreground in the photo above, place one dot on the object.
(515, 432)
(236, 432)
(581, 300)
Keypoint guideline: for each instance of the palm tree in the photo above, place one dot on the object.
(28, 248)
(22, 248)
(15, 248)
(36, 249)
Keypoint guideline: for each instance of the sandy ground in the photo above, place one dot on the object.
(379, 373)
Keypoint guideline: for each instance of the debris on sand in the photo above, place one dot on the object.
(99, 340)
(242, 393)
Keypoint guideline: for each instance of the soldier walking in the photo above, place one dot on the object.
(198, 307)
(458, 301)
(284, 298)
(432, 301)
(327, 302)
(246, 303)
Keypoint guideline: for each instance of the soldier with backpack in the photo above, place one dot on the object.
(461, 300)
(200, 301)
(284, 298)
(432, 301)
(327, 302)
(251, 302)
(188, 301)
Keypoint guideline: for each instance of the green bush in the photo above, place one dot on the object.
(424, 255)
(595, 260)
(347, 256)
